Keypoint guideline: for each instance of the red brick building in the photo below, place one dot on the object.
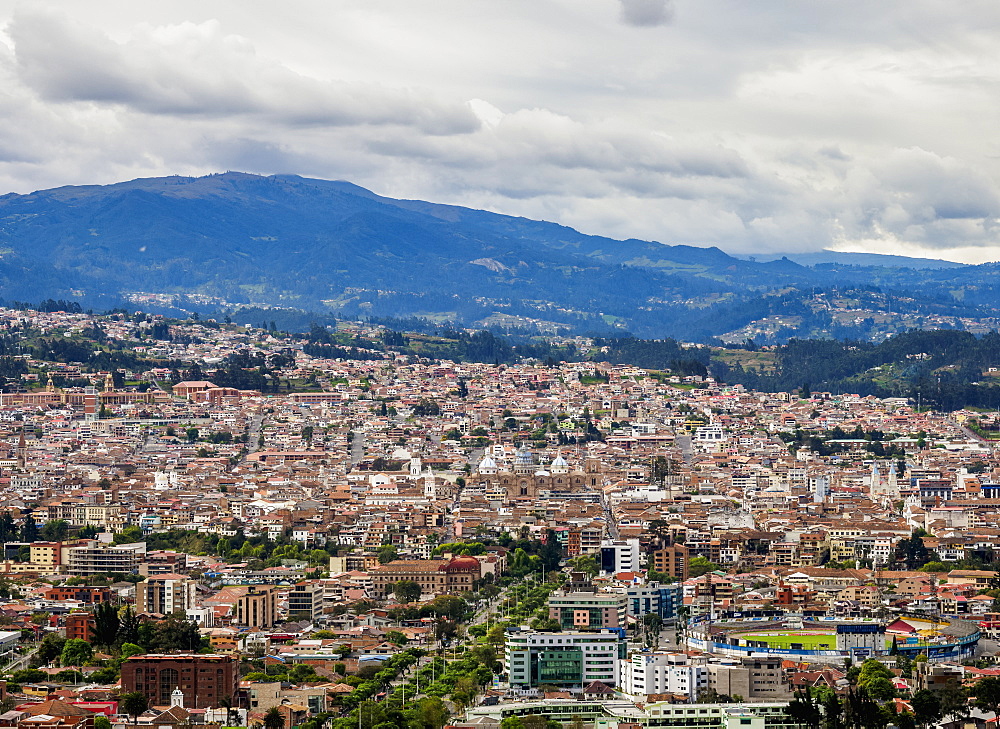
(89, 595)
(80, 625)
(203, 679)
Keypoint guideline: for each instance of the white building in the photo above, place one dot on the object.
(570, 660)
(646, 674)
(621, 556)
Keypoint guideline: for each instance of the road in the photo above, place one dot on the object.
(22, 661)
(357, 450)
(609, 517)
(684, 443)
(253, 431)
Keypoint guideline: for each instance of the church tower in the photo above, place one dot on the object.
(22, 451)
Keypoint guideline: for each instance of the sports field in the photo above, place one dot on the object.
(803, 639)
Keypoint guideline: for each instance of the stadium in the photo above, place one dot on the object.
(833, 639)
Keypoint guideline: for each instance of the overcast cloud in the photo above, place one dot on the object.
(757, 127)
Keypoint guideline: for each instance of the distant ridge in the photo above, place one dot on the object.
(334, 248)
(857, 259)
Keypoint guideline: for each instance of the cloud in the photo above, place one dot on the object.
(777, 128)
(646, 13)
(195, 70)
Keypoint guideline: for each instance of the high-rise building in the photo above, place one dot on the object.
(305, 601)
(91, 558)
(672, 560)
(621, 556)
(258, 608)
(164, 594)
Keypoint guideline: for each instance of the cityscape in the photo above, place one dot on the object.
(385, 538)
(535, 364)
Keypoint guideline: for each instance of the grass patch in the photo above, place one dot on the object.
(807, 641)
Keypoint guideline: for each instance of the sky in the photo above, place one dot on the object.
(758, 126)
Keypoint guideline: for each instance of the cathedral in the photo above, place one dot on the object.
(525, 480)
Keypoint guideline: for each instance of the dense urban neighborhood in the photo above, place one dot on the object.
(213, 524)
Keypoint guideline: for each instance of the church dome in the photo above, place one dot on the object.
(487, 465)
(524, 458)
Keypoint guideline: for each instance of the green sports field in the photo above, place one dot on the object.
(806, 640)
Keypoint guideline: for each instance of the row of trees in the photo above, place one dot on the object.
(867, 704)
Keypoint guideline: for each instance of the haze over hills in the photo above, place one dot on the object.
(856, 259)
(335, 248)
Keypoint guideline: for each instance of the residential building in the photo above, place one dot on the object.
(759, 678)
(258, 608)
(435, 576)
(305, 601)
(648, 674)
(671, 560)
(95, 559)
(165, 594)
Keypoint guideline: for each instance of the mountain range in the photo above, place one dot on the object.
(335, 249)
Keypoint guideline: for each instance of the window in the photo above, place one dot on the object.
(169, 680)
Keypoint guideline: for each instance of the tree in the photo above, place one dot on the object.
(174, 633)
(55, 530)
(406, 591)
(870, 670)
(76, 652)
(396, 638)
(805, 711)
(912, 551)
(128, 627)
(273, 719)
(465, 691)
(129, 535)
(430, 713)
(387, 553)
(29, 529)
(8, 527)
(935, 566)
(133, 704)
(102, 722)
(51, 647)
(106, 624)
(880, 688)
(700, 565)
(926, 706)
(987, 693)
(584, 563)
(954, 700)
(232, 714)
(130, 649)
(652, 624)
